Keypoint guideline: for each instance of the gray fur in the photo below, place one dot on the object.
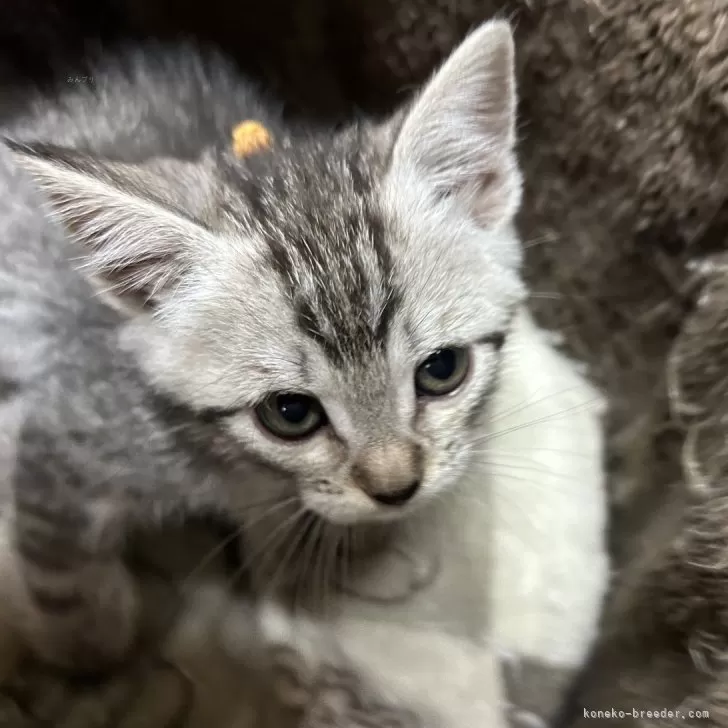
(332, 264)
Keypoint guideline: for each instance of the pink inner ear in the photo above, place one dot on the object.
(459, 133)
(135, 282)
(495, 197)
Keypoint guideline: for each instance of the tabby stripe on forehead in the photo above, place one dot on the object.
(385, 320)
(282, 262)
(311, 326)
(314, 204)
(311, 315)
(386, 266)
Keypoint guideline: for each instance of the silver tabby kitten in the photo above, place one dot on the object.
(317, 323)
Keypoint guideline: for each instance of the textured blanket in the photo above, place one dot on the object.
(625, 150)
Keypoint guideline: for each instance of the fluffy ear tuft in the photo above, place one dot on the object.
(459, 134)
(135, 223)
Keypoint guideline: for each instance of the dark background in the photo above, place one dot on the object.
(326, 58)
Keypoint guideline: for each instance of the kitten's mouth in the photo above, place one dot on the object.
(381, 513)
(352, 503)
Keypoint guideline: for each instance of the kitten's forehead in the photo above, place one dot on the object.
(354, 249)
(314, 206)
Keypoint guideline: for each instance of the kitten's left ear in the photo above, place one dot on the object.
(137, 227)
(458, 137)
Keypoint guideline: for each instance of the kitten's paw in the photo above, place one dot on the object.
(392, 575)
(312, 675)
(299, 652)
(333, 708)
(522, 680)
(519, 718)
(92, 631)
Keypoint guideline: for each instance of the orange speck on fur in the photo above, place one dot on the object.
(250, 137)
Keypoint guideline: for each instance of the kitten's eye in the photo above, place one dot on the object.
(291, 416)
(442, 372)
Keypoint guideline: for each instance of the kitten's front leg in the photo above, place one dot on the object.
(312, 674)
(80, 608)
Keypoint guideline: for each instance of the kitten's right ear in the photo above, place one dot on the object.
(458, 136)
(137, 225)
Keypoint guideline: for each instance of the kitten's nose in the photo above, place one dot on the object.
(390, 474)
(399, 497)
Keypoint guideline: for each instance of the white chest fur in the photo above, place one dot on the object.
(549, 564)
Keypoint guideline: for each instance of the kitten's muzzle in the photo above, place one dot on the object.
(390, 474)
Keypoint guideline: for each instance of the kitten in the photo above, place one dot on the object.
(311, 330)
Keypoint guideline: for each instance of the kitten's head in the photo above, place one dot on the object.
(337, 302)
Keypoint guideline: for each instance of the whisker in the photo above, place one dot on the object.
(465, 497)
(251, 523)
(317, 593)
(530, 402)
(324, 547)
(490, 437)
(210, 556)
(333, 540)
(273, 538)
(296, 540)
(505, 471)
(530, 468)
(345, 557)
(537, 449)
(305, 565)
(551, 295)
(539, 240)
